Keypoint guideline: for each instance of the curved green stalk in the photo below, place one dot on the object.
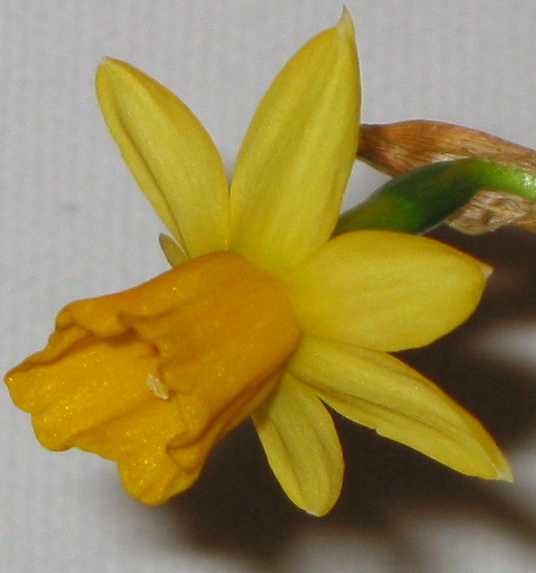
(423, 198)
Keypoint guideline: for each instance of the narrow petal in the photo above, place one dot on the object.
(302, 446)
(379, 391)
(169, 153)
(298, 153)
(386, 291)
(174, 254)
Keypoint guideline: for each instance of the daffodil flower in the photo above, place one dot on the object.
(262, 315)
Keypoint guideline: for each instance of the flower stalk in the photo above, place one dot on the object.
(425, 197)
(444, 173)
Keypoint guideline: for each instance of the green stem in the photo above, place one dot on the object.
(420, 200)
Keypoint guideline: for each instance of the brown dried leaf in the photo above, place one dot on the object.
(491, 210)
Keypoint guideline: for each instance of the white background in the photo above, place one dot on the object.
(73, 224)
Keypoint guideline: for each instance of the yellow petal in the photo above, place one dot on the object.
(386, 291)
(379, 391)
(169, 153)
(302, 446)
(298, 153)
(175, 256)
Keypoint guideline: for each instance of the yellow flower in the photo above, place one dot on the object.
(262, 314)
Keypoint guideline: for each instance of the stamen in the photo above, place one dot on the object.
(157, 387)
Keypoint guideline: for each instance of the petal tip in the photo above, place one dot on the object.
(106, 64)
(110, 68)
(174, 252)
(345, 25)
(504, 473)
(487, 270)
(314, 514)
(102, 75)
(323, 509)
(108, 61)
